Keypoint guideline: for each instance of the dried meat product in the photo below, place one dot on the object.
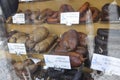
(83, 51)
(76, 59)
(25, 69)
(15, 36)
(22, 39)
(66, 8)
(69, 40)
(84, 7)
(45, 44)
(82, 39)
(95, 14)
(39, 34)
(30, 45)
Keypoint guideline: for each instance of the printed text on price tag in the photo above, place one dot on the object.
(17, 48)
(69, 18)
(19, 18)
(109, 65)
(56, 61)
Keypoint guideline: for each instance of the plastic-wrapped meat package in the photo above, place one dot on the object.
(109, 41)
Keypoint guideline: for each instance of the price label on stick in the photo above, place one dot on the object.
(56, 61)
(109, 65)
(69, 18)
(19, 18)
(17, 48)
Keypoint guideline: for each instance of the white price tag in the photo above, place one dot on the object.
(17, 48)
(57, 61)
(19, 18)
(69, 18)
(109, 65)
(35, 60)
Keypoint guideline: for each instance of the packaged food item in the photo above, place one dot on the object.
(110, 12)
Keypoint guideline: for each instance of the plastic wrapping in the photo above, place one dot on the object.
(112, 43)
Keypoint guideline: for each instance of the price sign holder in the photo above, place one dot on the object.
(108, 65)
(69, 18)
(56, 61)
(18, 48)
(19, 18)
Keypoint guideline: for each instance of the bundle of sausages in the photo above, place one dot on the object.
(50, 16)
(94, 13)
(110, 12)
(73, 44)
(53, 17)
(25, 69)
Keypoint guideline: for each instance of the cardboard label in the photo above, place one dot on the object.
(69, 18)
(57, 61)
(17, 48)
(19, 18)
(35, 60)
(109, 65)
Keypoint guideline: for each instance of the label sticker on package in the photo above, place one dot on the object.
(19, 18)
(57, 61)
(109, 65)
(17, 48)
(69, 18)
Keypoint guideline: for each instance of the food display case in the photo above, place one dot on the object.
(60, 40)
